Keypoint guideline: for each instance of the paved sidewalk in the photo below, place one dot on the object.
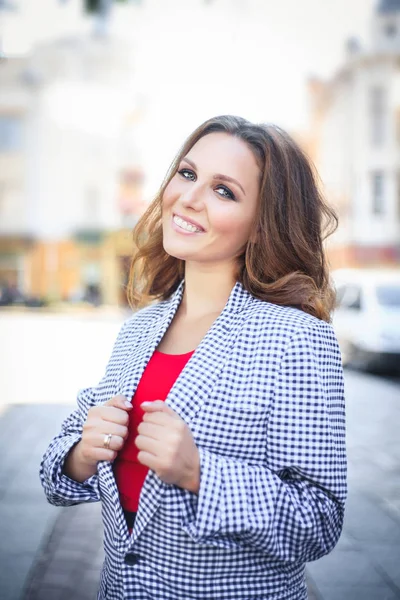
(26, 519)
(48, 553)
(365, 565)
(69, 562)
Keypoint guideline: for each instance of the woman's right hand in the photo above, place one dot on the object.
(102, 420)
(108, 418)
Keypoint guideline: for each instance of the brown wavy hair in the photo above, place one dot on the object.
(284, 260)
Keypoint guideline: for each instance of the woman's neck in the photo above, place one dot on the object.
(207, 290)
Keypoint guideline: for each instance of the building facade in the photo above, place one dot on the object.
(70, 176)
(355, 143)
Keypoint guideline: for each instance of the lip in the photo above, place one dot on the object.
(191, 221)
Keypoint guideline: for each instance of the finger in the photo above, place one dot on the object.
(165, 420)
(100, 426)
(158, 406)
(103, 454)
(148, 460)
(159, 418)
(151, 430)
(148, 445)
(94, 439)
(95, 454)
(106, 427)
(119, 402)
(114, 415)
(116, 442)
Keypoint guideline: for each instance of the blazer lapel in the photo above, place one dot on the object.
(193, 387)
(148, 341)
(196, 381)
(143, 347)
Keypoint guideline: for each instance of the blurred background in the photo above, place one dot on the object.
(96, 97)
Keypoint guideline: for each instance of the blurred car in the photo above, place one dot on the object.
(10, 295)
(367, 318)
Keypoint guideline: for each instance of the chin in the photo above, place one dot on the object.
(175, 250)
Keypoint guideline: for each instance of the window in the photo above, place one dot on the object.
(9, 205)
(349, 296)
(92, 212)
(388, 295)
(378, 193)
(378, 113)
(391, 29)
(91, 273)
(10, 133)
(340, 290)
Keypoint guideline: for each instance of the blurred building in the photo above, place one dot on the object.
(355, 144)
(70, 175)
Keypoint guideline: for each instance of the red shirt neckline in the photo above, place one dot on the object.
(174, 355)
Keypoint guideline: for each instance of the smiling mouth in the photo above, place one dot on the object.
(185, 225)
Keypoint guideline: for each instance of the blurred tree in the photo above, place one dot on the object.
(102, 9)
(98, 6)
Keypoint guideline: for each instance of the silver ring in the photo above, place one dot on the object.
(107, 440)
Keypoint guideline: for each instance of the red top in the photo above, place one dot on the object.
(158, 378)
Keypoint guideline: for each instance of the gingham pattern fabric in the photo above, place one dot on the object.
(263, 397)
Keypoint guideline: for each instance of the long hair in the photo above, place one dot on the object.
(284, 260)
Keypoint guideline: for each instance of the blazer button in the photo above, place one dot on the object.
(131, 558)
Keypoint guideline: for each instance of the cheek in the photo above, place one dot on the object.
(171, 193)
(167, 198)
(232, 224)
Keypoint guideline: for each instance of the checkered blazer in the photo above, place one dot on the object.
(263, 397)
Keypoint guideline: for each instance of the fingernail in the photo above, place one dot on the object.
(128, 404)
(145, 403)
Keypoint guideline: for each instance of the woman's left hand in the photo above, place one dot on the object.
(167, 447)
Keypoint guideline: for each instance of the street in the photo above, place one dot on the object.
(45, 551)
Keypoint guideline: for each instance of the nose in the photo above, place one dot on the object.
(193, 197)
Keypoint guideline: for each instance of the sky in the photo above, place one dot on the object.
(194, 60)
(250, 58)
(253, 55)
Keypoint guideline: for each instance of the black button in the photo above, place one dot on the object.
(131, 558)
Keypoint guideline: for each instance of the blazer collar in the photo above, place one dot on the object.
(151, 336)
(195, 382)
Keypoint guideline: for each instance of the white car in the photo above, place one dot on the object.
(367, 317)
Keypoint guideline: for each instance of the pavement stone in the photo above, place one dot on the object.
(70, 559)
(357, 592)
(367, 521)
(351, 566)
(14, 570)
(387, 559)
(25, 516)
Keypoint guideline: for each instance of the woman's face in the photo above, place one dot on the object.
(209, 205)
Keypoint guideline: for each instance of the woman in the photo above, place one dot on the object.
(241, 471)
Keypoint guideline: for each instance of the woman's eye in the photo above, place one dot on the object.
(226, 192)
(187, 174)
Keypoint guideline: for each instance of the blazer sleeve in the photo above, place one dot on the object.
(292, 507)
(60, 490)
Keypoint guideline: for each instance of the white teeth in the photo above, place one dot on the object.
(185, 225)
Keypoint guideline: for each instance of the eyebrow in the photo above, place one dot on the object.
(217, 175)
